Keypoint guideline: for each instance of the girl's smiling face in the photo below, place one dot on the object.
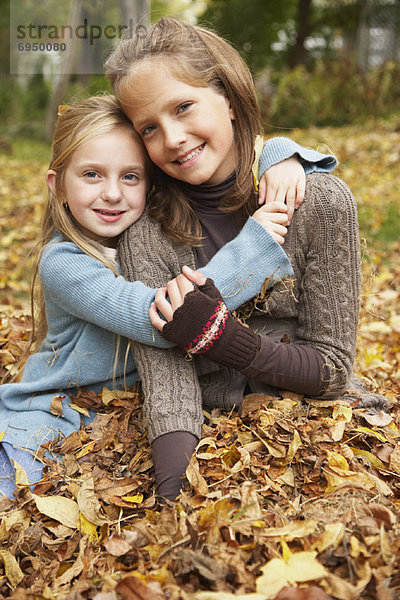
(187, 130)
(105, 184)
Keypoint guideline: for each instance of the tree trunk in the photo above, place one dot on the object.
(302, 31)
(61, 84)
(137, 10)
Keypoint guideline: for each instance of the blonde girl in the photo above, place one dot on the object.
(98, 179)
(191, 98)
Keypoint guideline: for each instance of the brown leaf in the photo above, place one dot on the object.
(132, 588)
(195, 478)
(394, 461)
(381, 419)
(117, 545)
(56, 405)
(252, 402)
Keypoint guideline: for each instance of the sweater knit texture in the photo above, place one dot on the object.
(318, 307)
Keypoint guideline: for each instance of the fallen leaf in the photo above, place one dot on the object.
(117, 545)
(132, 588)
(56, 405)
(59, 508)
(89, 504)
(278, 573)
(195, 478)
(11, 568)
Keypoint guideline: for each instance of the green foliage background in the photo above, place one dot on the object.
(328, 87)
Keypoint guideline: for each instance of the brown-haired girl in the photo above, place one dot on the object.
(191, 98)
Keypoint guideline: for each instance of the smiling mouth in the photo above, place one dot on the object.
(108, 213)
(192, 154)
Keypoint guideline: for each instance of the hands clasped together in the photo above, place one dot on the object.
(191, 313)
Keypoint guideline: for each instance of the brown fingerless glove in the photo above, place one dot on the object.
(204, 325)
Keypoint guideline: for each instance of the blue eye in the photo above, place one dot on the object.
(90, 174)
(131, 177)
(184, 107)
(147, 130)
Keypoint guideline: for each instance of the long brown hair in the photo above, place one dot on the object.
(198, 57)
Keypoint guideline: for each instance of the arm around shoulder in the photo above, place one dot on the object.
(326, 245)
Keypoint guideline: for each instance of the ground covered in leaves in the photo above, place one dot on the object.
(287, 493)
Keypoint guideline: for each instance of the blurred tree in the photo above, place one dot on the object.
(287, 33)
(253, 27)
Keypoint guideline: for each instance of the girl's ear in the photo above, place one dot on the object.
(231, 113)
(51, 180)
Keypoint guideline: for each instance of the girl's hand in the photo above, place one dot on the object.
(169, 298)
(274, 218)
(283, 181)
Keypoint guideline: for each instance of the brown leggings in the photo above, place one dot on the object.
(171, 455)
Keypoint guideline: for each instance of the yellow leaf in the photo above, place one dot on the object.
(161, 575)
(286, 551)
(303, 566)
(231, 456)
(293, 447)
(2, 435)
(108, 396)
(136, 499)
(273, 578)
(342, 413)
(337, 431)
(85, 449)
(337, 460)
(278, 573)
(11, 568)
(259, 524)
(21, 477)
(332, 536)
(370, 432)
(61, 509)
(376, 327)
(392, 426)
(374, 460)
(395, 322)
(79, 409)
(87, 528)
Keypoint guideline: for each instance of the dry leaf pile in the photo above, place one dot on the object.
(286, 499)
(287, 492)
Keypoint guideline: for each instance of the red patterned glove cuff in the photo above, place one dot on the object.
(212, 330)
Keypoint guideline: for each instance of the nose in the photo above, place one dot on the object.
(174, 135)
(111, 191)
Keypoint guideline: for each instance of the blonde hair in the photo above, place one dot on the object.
(198, 57)
(76, 124)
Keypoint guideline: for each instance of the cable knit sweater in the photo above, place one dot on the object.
(318, 307)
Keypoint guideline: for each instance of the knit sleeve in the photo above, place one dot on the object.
(278, 149)
(238, 269)
(77, 286)
(327, 250)
(170, 383)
